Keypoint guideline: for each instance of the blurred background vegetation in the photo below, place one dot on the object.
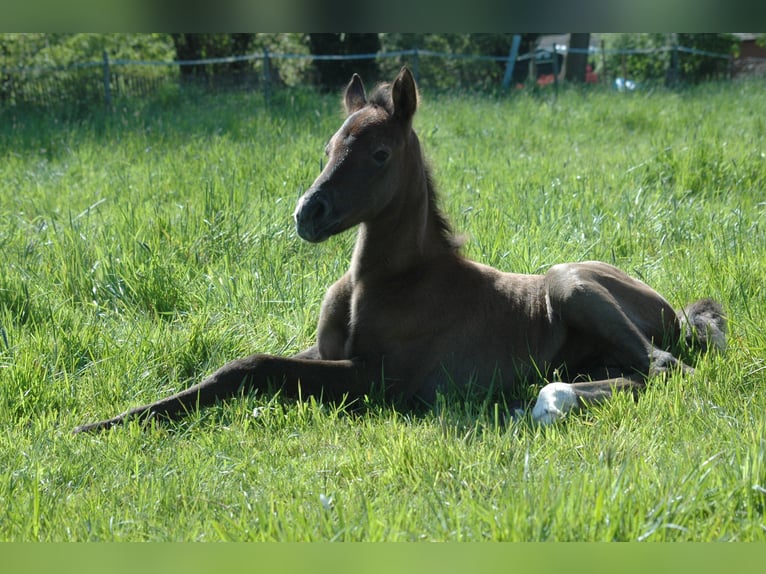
(41, 68)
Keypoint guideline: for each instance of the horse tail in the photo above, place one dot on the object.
(703, 325)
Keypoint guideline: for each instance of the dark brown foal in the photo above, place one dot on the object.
(412, 315)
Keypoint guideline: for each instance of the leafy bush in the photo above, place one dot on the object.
(658, 64)
(697, 68)
(637, 67)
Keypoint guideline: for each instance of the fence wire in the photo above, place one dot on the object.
(93, 81)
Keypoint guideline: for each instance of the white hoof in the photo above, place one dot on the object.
(554, 401)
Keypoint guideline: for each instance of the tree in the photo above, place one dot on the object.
(638, 67)
(577, 62)
(670, 64)
(55, 57)
(448, 73)
(332, 74)
(696, 68)
(203, 46)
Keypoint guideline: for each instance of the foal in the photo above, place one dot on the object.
(412, 315)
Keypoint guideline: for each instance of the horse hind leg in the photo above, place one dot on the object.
(703, 324)
(624, 322)
(555, 400)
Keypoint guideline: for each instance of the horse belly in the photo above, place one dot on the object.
(465, 325)
(501, 350)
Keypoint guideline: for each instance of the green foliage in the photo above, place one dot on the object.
(81, 88)
(438, 73)
(697, 68)
(54, 74)
(54, 71)
(637, 67)
(60, 49)
(655, 66)
(145, 247)
(334, 74)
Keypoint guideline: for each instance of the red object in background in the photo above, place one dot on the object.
(591, 77)
(545, 79)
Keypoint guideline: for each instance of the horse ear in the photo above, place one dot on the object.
(354, 98)
(405, 95)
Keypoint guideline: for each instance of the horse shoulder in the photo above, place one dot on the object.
(334, 319)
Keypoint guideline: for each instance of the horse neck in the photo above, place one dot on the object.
(409, 231)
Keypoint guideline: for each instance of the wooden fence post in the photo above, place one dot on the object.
(107, 82)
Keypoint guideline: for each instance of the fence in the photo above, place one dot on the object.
(89, 82)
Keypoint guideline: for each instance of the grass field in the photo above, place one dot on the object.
(141, 250)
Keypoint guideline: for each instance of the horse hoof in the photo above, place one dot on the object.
(553, 403)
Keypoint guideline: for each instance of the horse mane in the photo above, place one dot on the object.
(452, 241)
(381, 97)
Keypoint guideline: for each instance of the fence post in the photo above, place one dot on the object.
(107, 82)
(266, 75)
(624, 67)
(673, 75)
(511, 63)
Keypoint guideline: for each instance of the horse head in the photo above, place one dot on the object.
(366, 160)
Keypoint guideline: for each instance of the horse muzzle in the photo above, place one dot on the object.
(313, 218)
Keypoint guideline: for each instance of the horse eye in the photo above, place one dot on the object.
(380, 156)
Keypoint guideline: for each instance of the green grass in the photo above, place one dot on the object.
(143, 249)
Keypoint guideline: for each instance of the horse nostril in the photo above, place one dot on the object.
(312, 217)
(317, 209)
(312, 209)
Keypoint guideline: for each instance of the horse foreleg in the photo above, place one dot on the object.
(555, 400)
(300, 375)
